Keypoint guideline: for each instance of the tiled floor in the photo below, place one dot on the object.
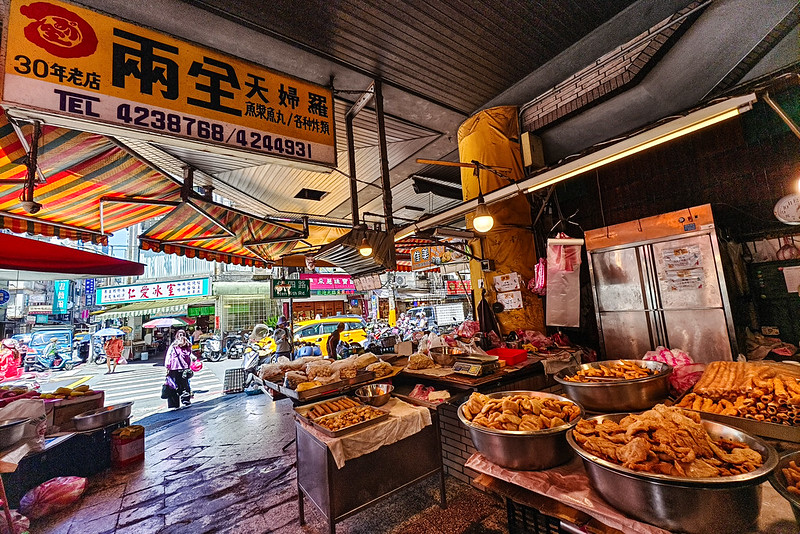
(222, 469)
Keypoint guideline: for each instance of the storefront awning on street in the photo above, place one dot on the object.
(21, 254)
(344, 253)
(76, 172)
(198, 229)
(160, 307)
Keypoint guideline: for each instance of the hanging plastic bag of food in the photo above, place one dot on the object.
(563, 281)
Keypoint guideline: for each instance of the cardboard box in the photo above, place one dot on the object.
(61, 411)
(404, 348)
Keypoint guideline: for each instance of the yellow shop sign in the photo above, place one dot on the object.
(70, 61)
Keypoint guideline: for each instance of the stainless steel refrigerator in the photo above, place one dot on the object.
(660, 281)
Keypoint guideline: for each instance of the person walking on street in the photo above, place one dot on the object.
(333, 341)
(283, 340)
(113, 349)
(178, 363)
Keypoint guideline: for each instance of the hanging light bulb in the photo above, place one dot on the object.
(365, 249)
(483, 220)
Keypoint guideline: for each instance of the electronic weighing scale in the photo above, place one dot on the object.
(476, 364)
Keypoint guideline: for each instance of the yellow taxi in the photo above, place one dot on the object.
(317, 331)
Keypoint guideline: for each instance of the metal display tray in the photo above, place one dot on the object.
(318, 391)
(361, 377)
(348, 429)
(759, 428)
(305, 409)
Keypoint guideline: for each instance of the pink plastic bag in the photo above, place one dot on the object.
(20, 522)
(685, 373)
(51, 496)
(196, 365)
(468, 329)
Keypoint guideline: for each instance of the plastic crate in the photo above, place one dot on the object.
(234, 381)
(511, 356)
(526, 520)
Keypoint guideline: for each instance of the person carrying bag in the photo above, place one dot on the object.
(178, 363)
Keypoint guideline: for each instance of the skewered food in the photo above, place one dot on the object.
(419, 361)
(622, 371)
(519, 412)
(349, 417)
(667, 441)
(332, 406)
(755, 391)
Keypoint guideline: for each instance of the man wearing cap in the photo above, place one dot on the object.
(283, 341)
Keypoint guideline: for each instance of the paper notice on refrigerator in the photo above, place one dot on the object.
(684, 279)
(681, 268)
(791, 276)
(687, 257)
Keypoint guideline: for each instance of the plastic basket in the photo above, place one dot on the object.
(234, 381)
(526, 520)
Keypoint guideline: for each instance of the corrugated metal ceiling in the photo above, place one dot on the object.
(459, 53)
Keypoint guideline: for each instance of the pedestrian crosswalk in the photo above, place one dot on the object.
(142, 385)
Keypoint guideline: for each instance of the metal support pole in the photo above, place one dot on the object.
(351, 158)
(188, 183)
(385, 182)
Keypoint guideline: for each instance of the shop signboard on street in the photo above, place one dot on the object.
(88, 291)
(428, 257)
(459, 287)
(194, 287)
(296, 289)
(330, 284)
(40, 309)
(5, 296)
(60, 296)
(68, 61)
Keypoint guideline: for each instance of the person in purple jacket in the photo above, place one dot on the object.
(178, 362)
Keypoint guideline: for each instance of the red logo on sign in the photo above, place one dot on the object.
(59, 31)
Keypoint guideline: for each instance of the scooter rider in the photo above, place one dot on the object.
(50, 351)
(283, 340)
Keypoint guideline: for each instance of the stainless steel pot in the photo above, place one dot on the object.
(718, 505)
(522, 450)
(11, 431)
(618, 395)
(778, 482)
(446, 356)
(103, 416)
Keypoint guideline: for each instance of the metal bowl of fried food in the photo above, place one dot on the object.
(375, 394)
(785, 475)
(723, 505)
(604, 394)
(446, 356)
(523, 450)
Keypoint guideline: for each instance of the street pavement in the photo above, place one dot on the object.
(140, 382)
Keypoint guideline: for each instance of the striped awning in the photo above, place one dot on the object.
(198, 229)
(80, 172)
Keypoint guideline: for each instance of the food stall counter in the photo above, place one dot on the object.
(343, 475)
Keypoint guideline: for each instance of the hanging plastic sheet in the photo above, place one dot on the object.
(563, 281)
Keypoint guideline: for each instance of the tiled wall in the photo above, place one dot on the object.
(457, 445)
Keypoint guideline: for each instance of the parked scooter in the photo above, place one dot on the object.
(252, 359)
(51, 358)
(235, 344)
(211, 348)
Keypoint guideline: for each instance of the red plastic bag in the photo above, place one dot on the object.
(20, 522)
(51, 496)
(196, 365)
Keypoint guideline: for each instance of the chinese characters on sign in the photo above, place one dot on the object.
(284, 289)
(197, 287)
(455, 287)
(330, 284)
(88, 291)
(60, 296)
(427, 257)
(72, 61)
